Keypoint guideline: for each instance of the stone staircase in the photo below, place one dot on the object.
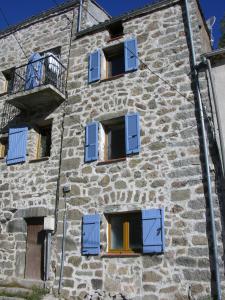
(18, 289)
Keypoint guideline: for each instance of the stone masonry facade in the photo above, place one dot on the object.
(167, 173)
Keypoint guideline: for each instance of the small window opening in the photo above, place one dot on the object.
(44, 142)
(116, 30)
(3, 147)
(9, 78)
(124, 232)
(115, 64)
(114, 139)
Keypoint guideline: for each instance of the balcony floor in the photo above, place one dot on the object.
(37, 98)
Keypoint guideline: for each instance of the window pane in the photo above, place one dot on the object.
(135, 231)
(117, 232)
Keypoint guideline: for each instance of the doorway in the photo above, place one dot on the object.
(35, 249)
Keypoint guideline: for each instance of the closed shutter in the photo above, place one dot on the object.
(91, 235)
(91, 142)
(17, 145)
(34, 71)
(131, 55)
(153, 230)
(94, 73)
(132, 133)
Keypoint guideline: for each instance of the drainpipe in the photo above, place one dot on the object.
(219, 121)
(206, 155)
(79, 16)
(66, 190)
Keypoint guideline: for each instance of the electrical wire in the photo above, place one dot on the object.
(156, 74)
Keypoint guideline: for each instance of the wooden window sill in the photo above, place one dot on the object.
(3, 94)
(115, 38)
(39, 159)
(107, 162)
(121, 255)
(113, 77)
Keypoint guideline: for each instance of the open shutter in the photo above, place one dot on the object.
(91, 142)
(17, 145)
(153, 230)
(91, 235)
(132, 133)
(94, 73)
(131, 55)
(34, 71)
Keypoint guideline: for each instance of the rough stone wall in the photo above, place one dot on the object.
(29, 189)
(167, 173)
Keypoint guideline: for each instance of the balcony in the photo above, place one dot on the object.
(40, 84)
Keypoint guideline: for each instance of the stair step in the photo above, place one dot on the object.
(21, 283)
(11, 298)
(18, 291)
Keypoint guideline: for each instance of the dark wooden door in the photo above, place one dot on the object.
(35, 249)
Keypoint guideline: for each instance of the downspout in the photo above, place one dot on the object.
(219, 121)
(206, 155)
(79, 16)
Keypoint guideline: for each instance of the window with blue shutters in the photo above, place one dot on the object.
(34, 72)
(91, 235)
(91, 142)
(136, 232)
(132, 133)
(153, 230)
(113, 139)
(113, 61)
(94, 73)
(131, 55)
(17, 145)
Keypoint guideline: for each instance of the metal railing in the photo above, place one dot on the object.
(47, 70)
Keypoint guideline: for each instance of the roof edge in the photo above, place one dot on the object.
(36, 18)
(129, 15)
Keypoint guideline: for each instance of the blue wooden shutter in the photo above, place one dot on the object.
(132, 133)
(91, 235)
(34, 71)
(94, 72)
(17, 145)
(153, 230)
(131, 55)
(91, 142)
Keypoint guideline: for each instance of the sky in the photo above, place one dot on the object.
(18, 10)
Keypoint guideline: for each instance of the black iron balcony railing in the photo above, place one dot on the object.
(47, 70)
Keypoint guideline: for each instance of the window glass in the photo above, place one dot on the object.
(3, 147)
(117, 232)
(135, 232)
(114, 139)
(125, 232)
(44, 142)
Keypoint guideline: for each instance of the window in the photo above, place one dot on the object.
(17, 149)
(9, 77)
(115, 30)
(128, 232)
(124, 232)
(113, 61)
(114, 142)
(44, 142)
(3, 147)
(112, 139)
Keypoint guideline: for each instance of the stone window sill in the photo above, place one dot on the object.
(120, 255)
(113, 77)
(39, 159)
(107, 162)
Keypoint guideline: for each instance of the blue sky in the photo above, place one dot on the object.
(18, 10)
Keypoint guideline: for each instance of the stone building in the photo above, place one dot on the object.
(103, 182)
